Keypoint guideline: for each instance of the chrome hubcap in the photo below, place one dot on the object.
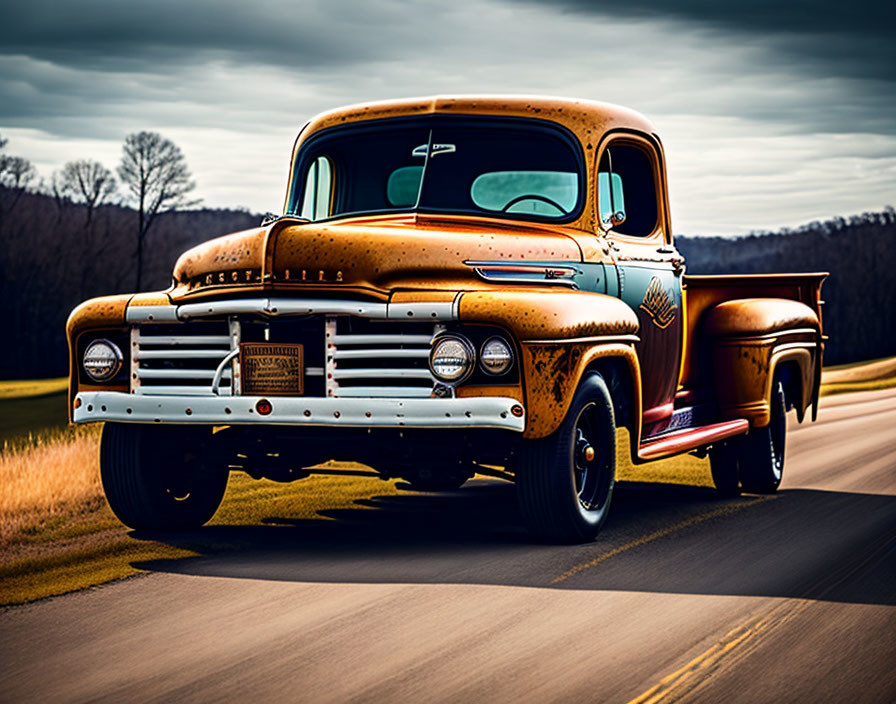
(587, 462)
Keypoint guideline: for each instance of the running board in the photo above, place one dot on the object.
(683, 440)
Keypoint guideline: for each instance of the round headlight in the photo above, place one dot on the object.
(102, 360)
(451, 359)
(495, 356)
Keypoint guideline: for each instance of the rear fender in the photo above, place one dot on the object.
(750, 340)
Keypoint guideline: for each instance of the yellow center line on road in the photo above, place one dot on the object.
(745, 638)
(704, 661)
(643, 540)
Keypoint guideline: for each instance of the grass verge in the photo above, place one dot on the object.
(32, 408)
(865, 376)
(32, 387)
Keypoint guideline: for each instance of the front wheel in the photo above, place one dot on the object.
(156, 478)
(565, 481)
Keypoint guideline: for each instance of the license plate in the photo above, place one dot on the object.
(271, 370)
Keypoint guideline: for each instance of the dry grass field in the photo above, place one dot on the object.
(864, 376)
(57, 533)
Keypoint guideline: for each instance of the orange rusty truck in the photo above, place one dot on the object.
(455, 282)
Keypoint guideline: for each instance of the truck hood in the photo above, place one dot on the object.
(373, 256)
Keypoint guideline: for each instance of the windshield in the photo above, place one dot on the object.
(512, 168)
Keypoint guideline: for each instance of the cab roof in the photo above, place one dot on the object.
(587, 119)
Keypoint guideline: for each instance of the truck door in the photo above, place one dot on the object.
(634, 216)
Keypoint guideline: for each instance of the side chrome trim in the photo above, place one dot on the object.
(516, 272)
(480, 412)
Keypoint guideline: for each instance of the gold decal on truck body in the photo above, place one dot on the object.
(658, 304)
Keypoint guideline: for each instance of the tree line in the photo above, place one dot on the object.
(859, 252)
(152, 173)
(89, 232)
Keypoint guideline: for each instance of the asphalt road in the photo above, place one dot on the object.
(442, 598)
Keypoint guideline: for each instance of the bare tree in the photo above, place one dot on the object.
(17, 174)
(155, 173)
(87, 182)
(56, 188)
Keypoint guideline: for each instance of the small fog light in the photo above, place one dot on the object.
(102, 360)
(495, 356)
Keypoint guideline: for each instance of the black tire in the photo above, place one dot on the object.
(436, 477)
(762, 454)
(447, 482)
(563, 496)
(154, 477)
(724, 463)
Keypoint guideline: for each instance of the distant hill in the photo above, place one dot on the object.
(860, 294)
(51, 260)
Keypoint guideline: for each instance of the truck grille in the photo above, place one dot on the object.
(345, 356)
(182, 359)
(370, 358)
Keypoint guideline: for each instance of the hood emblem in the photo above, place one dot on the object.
(658, 304)
(313, 275)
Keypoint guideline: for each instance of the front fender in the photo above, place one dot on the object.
(561, 334)
(105, 312)
(563, 316)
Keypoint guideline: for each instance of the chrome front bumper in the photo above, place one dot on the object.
(481, 412)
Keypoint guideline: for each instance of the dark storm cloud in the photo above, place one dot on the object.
(138, 36)
(855, 39)
(788, 105)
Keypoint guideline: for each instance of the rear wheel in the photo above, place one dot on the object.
(565, 481)
(433, 481)
(724, 463)
(762, 455)
(155, 477)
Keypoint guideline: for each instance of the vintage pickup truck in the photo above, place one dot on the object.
(455, 283)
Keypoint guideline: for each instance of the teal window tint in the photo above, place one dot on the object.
(607, 205)
(535, 192)
(318, 188)
(403, 186)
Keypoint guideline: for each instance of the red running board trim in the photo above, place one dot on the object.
(658, 413)
(684, 440)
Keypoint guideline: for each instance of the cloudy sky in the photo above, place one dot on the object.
(772, 113)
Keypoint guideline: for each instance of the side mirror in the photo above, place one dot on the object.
(611, 198)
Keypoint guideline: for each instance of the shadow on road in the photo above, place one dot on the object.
(800, 543)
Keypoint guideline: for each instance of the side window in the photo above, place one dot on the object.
(626, 190)
(318, 189)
